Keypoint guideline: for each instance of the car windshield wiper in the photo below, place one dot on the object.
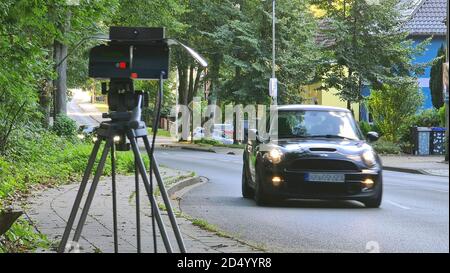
(332, 136)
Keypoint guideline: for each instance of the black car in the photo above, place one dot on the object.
(320, 153)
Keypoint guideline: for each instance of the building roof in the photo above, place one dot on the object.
(425, 17)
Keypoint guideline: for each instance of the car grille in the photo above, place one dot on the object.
(322, 165)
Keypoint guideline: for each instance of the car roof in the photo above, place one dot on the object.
(301, 107)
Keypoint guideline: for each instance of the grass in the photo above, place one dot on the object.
(214, 143)
(102, 107)
(42, 160)
(161, 132)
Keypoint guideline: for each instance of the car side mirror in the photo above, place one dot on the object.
(373, 136)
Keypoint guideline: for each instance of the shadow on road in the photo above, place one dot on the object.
(295, 203)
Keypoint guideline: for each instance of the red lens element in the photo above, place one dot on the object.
(122, 65)
(134, 75)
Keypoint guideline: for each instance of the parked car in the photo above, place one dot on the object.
(222, 133)
(320, 153)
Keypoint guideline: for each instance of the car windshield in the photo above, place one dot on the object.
(317, 124)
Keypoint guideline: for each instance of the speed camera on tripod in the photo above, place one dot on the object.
(132, 53)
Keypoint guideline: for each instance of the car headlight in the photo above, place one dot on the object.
(274, 156)
(369, 159)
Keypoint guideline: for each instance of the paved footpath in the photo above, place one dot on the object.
(50, 209)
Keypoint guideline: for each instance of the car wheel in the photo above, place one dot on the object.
(376, 201)
(247, 192)
(261, 198)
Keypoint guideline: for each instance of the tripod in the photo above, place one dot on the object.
(124, 125)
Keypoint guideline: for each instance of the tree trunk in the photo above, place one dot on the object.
(182, 87)
(60, 84)
(44, 102)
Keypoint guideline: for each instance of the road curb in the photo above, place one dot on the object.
(405, 170)
(198, 149)
(180, 185)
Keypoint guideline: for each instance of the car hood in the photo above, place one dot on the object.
(321, 145)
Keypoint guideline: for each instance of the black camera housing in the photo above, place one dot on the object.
(132, 53)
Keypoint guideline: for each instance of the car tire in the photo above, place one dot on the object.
(261, 198)
(247, 192)
(376, 201)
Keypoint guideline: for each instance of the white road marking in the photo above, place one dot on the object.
(398, 205)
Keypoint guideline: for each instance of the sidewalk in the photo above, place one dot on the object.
(429, 165)
(50, 209)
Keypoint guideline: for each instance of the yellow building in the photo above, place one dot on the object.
(311, 95)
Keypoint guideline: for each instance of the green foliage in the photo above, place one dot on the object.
(365, 47)
(442, 115)
(208, 142)
(161, 132)
(425, 118)
(64, 126)
(42, 158)
(22, 238)
(436, 84)
(365, 127)
(383, 146)
(392, 106)
(237, 39)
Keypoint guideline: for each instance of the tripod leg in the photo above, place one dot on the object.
(91, 193)
(138, 208)
(114, 196)
(166, 199)
(79, 197)
(140, 163)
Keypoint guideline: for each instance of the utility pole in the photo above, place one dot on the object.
(273, 39)
(273, 85)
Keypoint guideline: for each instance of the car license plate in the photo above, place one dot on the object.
(325, 177)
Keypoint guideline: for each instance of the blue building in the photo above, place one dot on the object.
(425, 19)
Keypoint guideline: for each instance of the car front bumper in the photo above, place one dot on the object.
(294, 185)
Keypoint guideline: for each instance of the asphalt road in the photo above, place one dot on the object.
(414, 216)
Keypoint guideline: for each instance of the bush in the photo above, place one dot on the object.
(64, 126)
(442, 115)
(365, 127)
(391, 106)
(426, 118)
(383, 146)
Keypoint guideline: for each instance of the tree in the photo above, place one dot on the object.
(236, 36)
(366, 46)
(24, 63)
(392, 105)
(436, 84)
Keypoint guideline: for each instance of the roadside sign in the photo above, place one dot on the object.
(273, 87)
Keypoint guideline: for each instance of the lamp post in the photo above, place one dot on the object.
(273, 84)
